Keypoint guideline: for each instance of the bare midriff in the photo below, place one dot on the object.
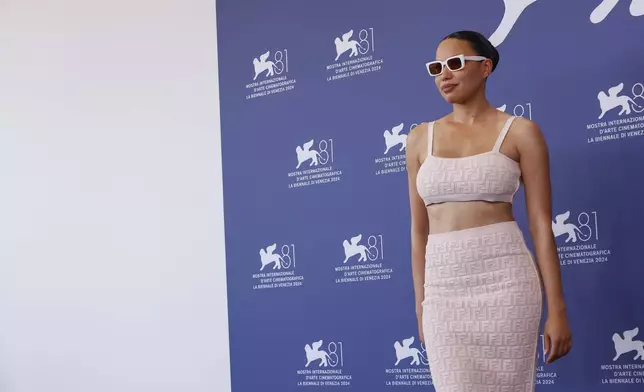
(453, 216)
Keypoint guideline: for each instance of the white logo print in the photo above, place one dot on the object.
(581, 237)
(612, 100)
(330, 356)
(519, 110)
(394, 138)
(606, 6)
(346, 43)
(370, 259)
(405, 350)
(319, 169)
(513, 10)
(410, 368)
(358, 55)
(305, 153)
(283, 272)
(561, 227)
(393, 159)
(625, 373)
(263, 64)
(354, 248)
(629, 123)
(313, 353)
(267, 257)
(627, 344)
(274, 73)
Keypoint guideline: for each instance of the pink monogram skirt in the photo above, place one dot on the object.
(482, 309)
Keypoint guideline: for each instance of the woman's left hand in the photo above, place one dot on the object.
(557, 337)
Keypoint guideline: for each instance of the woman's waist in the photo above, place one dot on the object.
(459, 216)
(490, 243)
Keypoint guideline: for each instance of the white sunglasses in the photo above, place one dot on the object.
(454, 63)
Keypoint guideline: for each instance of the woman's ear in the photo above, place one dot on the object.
(487, 67)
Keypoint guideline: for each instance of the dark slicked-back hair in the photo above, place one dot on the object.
(481, 45)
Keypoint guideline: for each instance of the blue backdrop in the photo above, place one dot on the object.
(316, 100)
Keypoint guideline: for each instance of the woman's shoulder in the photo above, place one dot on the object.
(524, 126)
(526, 133)
(423, 127)
(418, 135)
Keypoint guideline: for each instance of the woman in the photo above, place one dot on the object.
(478, 291)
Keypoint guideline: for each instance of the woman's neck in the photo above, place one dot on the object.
(472, 111)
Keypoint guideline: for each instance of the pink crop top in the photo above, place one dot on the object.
(489, 176)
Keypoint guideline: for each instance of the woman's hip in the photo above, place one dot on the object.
(480, 260)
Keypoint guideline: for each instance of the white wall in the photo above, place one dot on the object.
(112, 273)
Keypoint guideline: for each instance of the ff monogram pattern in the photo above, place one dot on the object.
(490, 176)
(482, 308)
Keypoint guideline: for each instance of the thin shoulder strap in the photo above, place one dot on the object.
(504, 131)
(430, 138)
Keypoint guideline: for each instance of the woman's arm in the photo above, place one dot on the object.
(535, 168)
(419, 220)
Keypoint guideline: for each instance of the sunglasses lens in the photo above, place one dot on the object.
(454, 64)
(435, 68)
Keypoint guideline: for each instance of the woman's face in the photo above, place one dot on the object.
(460, 86)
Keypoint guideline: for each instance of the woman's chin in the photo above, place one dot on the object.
(450, 98)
